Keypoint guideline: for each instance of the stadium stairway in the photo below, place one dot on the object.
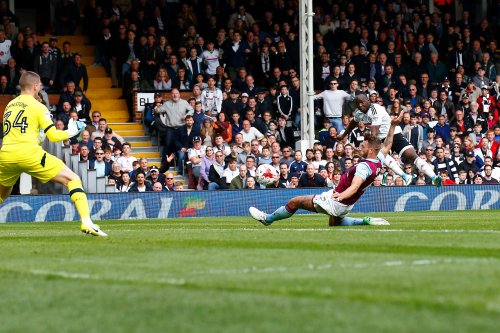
(107, 100)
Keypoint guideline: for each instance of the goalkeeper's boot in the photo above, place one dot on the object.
(368, 220)
(88, 227)
(259, 215)
(437, 181)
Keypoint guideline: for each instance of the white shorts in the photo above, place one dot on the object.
(326, 204)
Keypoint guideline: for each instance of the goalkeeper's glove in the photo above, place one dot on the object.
(74, 128)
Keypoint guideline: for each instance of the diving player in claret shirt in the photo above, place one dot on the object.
(380, 121)
(24, 119)
(339, 202)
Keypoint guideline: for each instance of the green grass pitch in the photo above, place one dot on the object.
(426, 272)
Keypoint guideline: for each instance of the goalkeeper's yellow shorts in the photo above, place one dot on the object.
(35, 162)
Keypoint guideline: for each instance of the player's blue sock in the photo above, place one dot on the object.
(349, 221)
(281, 213)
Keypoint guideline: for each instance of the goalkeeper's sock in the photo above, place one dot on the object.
(281, 213)
(79, 198)
(350, 221)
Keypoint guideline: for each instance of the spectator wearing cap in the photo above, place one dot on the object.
(464, 104)
(155, 176)
(184, 140)
(469, 164)
(424, 123)
(150, 110)
(487, 103)
(76, 71)
(480, 79)
(110, 141)
(102, 167)
(471, 90)
(232, 104)
(195, 157)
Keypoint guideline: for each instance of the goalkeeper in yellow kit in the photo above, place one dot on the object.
(23, 119)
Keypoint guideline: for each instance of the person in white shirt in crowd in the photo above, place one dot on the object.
(211, 98)
(126, 159)
(195, 156)
(250, 133)
(333, 101)
(210, 58)
(101, 128)
(231, 171)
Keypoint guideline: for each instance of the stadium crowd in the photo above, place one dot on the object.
(238, 62)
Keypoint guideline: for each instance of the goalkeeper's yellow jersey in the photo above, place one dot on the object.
(23, 118)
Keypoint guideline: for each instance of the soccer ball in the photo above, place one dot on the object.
(265, 174)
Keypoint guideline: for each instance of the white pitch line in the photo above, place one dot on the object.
(354, 229)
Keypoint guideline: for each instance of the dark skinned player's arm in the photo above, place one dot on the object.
(386, 148)
(352, 125)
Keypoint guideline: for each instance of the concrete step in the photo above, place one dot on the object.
(108, 104)
(142, 144)
(99, 82)
(147, 154)
(141, 138)
(126, 126)
(126, 133)
(86, 51)
(96, 72)
(152, 149)
(112, 113)
(106, 93)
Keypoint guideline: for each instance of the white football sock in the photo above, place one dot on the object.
(425, 167)
(391, 163)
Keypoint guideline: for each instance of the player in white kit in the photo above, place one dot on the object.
(378, 119)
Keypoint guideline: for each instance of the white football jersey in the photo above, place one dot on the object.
(376, 116)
